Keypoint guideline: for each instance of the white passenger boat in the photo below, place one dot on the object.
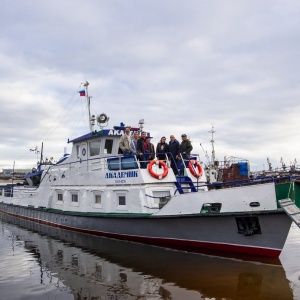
(98, 191)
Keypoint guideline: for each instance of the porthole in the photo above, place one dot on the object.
(83, 152)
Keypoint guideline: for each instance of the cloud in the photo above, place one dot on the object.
(180, 66)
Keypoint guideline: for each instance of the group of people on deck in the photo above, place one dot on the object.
(145, 151)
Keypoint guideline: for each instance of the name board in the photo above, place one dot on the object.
(120, 177)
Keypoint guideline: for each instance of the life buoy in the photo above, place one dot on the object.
(193, 170)
(155, 175)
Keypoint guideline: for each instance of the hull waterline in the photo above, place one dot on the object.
(213, 234)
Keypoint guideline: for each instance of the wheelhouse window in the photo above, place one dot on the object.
(108, 146)
(94, 148)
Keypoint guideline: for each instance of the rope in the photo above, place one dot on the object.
(292, 183)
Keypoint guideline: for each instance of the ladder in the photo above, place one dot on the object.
(184, 180)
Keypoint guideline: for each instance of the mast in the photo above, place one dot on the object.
(13, 175)
(213, 157)
(88, 100)
(42, 158)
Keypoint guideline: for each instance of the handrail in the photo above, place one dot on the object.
(250, 181)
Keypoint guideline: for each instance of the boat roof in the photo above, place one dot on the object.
(116, 131)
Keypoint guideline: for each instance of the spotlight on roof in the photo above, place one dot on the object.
(102, 119)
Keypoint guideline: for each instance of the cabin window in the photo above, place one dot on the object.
(97, 199)
(60, 197)
(108, 146)
(74, 198)
(122, 200)
(94, 148)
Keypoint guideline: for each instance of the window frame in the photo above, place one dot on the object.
(92, 154)
(96, 194)
(74, 193)
(59, 192)
(119, 194)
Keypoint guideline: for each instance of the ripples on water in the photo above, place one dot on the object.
(40, 262)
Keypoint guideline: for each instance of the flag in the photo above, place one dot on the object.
(82, 93)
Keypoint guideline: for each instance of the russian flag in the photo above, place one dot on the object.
(82, 93)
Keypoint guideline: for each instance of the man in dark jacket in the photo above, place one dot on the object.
(174, 149)
(143, 150)
(185, 149)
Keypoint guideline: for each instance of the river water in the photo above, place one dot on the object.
(41, 262)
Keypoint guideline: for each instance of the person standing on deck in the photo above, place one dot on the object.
(134, 140)
(125, 142)
(162, 149)
(143, 150)
(185, 149)
(151, 148)
(174, 149)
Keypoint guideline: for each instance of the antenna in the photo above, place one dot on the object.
(36, 151)
(42, 150)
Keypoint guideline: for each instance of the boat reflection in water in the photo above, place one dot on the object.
(101, 268)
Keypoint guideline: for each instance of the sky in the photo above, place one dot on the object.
(182, 66)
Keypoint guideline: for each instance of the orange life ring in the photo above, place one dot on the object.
(193, 170)
(155, 175)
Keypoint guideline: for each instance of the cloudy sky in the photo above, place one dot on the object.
(182, 66)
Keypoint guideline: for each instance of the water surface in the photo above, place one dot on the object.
(41, 262)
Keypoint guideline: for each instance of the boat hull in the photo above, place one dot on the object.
(98, 263)
(205, 233)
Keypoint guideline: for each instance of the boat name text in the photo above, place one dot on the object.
(127, 174)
